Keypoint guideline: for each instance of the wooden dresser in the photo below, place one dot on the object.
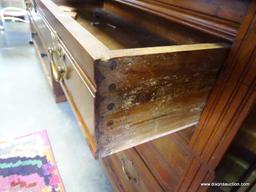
(138, 75)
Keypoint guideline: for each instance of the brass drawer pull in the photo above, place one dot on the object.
(58, 65)
(129, 170)
(57, 59)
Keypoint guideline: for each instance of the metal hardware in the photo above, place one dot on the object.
(129, 170)
(57, 65)
(85, 79)
(57, 60)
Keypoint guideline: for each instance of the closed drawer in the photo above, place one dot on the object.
(41, 27)
(128, 173)
(164, 159)
(42, 36)
(77, 88)
(127, 85)
(167, 157)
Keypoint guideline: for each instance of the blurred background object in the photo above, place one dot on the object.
(14, 24)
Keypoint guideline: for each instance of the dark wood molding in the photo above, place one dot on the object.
(229, 104)
(221, 18)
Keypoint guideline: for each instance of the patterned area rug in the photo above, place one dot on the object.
(27, 165)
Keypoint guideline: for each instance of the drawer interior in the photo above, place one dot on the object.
(116, 33)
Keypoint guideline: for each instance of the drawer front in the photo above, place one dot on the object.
(42, 28)
(66, 71)
(167, 157)
(128, 173)
(42, 52)
(77, 87)
(79, 96)
(43, 41)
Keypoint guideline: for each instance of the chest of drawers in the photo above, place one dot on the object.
(137, 75)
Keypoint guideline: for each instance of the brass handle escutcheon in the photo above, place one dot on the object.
(129, 170)
(58, 65)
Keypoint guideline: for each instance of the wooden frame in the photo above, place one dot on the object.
(230, 102)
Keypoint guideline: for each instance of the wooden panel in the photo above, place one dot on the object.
(42, 53)
(80, 97)
(42, 36)
(144, 97)
(167, 157)
(128, 173)
(226, 9)
(42, 39)
(230, 102)
(42, 30)
(218, 17)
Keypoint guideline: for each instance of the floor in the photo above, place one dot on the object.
(27, 106)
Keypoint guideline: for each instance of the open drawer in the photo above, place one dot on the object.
(127, 85)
